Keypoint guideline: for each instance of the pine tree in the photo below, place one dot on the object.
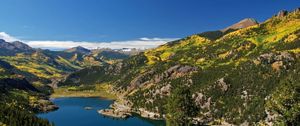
(180, 107)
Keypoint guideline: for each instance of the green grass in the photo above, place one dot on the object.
(98, 90)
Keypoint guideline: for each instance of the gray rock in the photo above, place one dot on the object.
(222, 84)
(282, 13)
(297, 10)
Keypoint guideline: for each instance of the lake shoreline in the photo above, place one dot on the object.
(75, 106)
(117, 105)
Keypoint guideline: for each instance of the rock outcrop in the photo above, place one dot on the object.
(202, 101)
(222, 84)
(174, 72)
(282, 13)
(114, 114)
(277, 61)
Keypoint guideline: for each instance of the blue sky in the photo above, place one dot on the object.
(127, 20)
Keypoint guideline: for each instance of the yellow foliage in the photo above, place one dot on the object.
(297, 50)
(224, 55)
(241, 60)
(200, 60)
(163, 53)
(197, 40)
(282, 30)
(32, 99)
(165, 56)
(291, 38)
(72, 88)
(151, 58)
(2, 70)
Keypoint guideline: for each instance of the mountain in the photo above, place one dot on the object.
(78, 49)
(12, 48)
(214, 35)
(242, 24)
(245, 76)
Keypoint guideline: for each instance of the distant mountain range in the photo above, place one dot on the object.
(79, 50)
(47, 67)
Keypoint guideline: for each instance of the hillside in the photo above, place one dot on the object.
(242, 76)
(28, 76)
(20, 101)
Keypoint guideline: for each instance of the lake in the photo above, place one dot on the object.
(71, 112)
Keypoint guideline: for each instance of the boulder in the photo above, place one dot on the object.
(222, 84)
(202, 101)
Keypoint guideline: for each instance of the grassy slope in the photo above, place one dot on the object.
(98, 90)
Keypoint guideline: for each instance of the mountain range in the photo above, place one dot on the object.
(246, 74)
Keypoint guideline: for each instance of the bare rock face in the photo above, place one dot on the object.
(242, 24)
(282, 13)
(174, 72)
(179, 70)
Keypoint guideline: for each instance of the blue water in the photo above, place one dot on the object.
(71, 112)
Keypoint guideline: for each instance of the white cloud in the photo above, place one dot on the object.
(144, 43)
(156, 39)
(7, 37)
(141, 43)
